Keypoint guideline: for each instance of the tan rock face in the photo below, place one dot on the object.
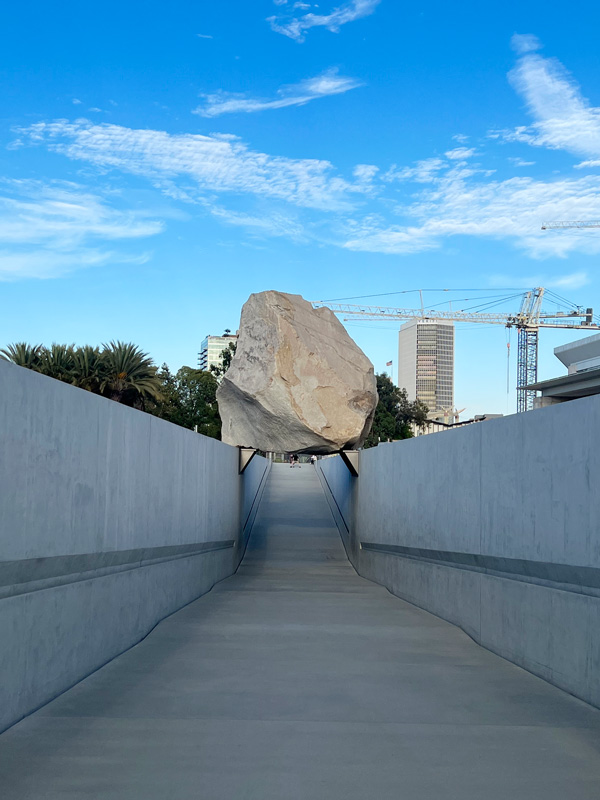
(297, 382)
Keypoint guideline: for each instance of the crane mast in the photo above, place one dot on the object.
(528, 321)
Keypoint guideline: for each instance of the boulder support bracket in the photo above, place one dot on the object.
(246, 456)
(350, 459)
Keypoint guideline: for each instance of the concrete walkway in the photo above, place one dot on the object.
(297, 680)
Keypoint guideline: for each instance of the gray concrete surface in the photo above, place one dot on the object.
(297, 679)
(110, 519)
(493, 527)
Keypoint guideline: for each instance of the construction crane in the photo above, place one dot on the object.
(451, 415)
(529, 319)
(555, 226)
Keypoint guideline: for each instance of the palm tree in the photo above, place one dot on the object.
(23, 354)
(128, 375)
(88, 368)
(57, 362)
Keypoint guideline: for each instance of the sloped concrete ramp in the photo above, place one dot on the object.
(298, 680)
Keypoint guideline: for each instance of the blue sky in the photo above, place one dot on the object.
(160, 162)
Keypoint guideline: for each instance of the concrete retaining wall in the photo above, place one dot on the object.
(110, 520)
(494, 527)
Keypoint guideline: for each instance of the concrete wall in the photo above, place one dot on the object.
(494, 527)
(110, 520)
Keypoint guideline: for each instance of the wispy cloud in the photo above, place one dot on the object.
(457, 199)
(460, 153)
(295, 26)
(424, 171)
(373, 234)
(525, 43)
(562, 117)
(397, 209)
(50, 229)
(204, 36)
(520, 162)
(44, 264)
(462, 202)
(218, 162)
(269, 225)
(365, 172)
(324, 85)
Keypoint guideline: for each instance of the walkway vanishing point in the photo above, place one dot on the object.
(295, 679)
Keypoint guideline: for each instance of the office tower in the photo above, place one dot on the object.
(211, 350)
(426, 362)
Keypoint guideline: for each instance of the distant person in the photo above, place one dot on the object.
(313, 460)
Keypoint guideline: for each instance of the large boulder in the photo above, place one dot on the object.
(298, 382)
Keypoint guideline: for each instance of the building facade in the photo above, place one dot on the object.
(211, 350)
(426, 362)
(582, 360)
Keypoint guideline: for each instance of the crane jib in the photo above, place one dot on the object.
(528, 321)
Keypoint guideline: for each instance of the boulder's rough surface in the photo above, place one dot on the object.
(298, 382)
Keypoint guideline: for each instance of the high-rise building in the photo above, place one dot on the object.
(211, 350)
(426, 362)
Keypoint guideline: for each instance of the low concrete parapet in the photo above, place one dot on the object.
(110, 520)
(493, 527)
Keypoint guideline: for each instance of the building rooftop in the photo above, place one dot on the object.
(570, 387)
(578, 351)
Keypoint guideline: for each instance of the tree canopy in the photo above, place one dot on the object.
(120, 371)
(395, 413)
(188, 398)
